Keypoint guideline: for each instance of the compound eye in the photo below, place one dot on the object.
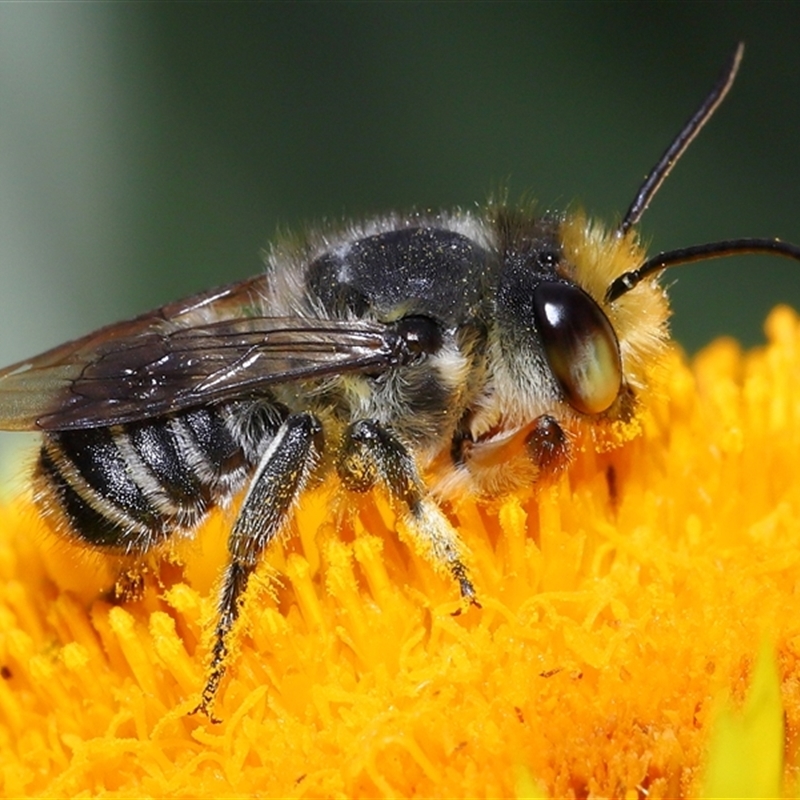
(580, 345)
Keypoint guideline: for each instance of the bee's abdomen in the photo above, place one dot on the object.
(128, 487)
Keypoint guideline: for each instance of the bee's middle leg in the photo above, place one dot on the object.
(278, 481)
(371, 454)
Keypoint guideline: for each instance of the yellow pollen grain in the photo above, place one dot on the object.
(621, 606)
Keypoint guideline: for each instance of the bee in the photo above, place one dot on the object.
(424, 353)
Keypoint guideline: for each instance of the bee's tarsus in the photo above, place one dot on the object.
(206, 704)
(468, 593)
(129, 585)
(548, 445)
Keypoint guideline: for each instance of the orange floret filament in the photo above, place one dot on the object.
(618, 606)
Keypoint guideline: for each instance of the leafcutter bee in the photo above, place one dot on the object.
(426, 353)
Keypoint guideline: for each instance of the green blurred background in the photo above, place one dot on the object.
(150, 150)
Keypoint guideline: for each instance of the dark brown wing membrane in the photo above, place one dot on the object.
(150, 366)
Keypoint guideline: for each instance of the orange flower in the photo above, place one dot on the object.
(617, 607)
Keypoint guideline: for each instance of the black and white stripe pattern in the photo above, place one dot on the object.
(129, 487)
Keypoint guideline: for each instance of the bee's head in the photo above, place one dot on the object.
(559, 336)
(585, 302)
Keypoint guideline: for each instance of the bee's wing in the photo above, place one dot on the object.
(172, 359)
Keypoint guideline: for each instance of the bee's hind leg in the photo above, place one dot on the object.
(370, 454)
(279, 479)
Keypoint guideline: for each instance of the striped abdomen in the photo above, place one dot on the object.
(128, 487)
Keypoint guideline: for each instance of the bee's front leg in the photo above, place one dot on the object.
(370, 454)
(278, 481)
(548, 446)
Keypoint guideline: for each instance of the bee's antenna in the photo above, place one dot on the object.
(699, 252)
(652, 183)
